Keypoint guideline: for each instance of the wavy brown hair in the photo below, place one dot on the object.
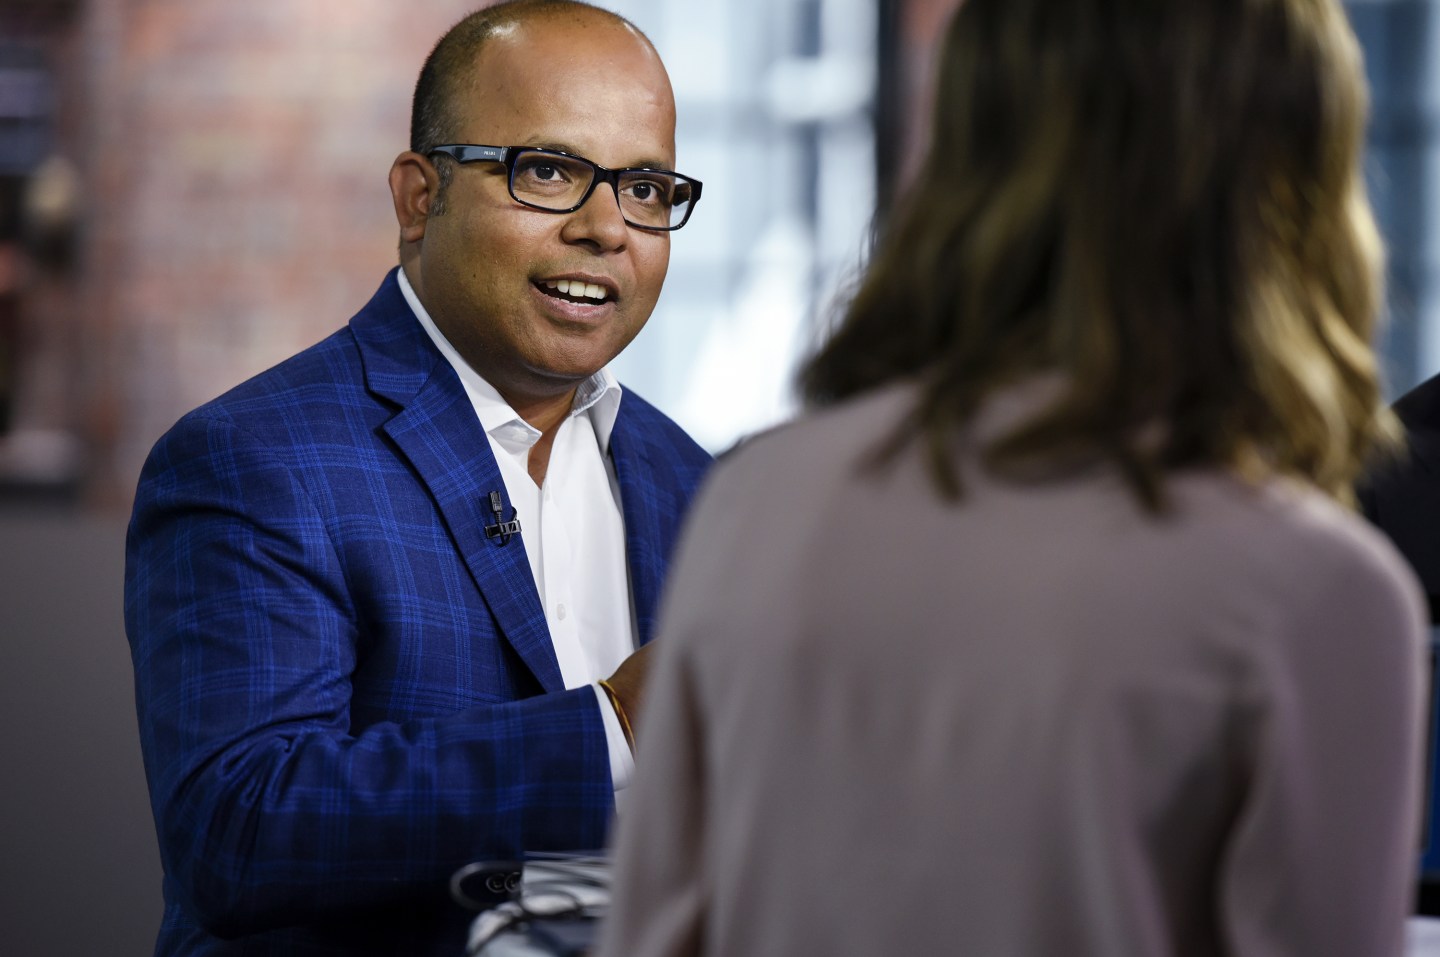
(1162, 202)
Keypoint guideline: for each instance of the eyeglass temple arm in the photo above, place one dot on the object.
(474, 154)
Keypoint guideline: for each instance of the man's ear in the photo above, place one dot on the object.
(413, 182)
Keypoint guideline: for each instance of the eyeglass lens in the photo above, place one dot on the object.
(647, 198)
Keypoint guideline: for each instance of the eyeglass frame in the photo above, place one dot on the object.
(464, 153)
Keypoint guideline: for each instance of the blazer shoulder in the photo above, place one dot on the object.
(661, 432)
(316, 397)
(332, 375)
(1419, 408)
(329, 370)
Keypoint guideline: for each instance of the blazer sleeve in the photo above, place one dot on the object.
(271, 809)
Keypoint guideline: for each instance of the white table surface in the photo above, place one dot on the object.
(1424, 937)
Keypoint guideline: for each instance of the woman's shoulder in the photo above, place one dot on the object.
(1282, 528)
(837, 427)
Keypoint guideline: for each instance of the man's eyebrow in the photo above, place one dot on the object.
(651, 164)
(567, 148)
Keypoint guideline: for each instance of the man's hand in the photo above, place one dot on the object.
(627, 685)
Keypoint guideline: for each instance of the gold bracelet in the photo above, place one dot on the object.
(619, 713)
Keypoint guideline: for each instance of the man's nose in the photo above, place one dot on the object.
(599, 219)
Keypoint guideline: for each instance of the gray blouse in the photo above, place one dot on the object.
(1039, 721)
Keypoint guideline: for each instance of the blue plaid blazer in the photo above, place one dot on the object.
(345, 690)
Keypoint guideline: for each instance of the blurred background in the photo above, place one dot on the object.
(192, 191)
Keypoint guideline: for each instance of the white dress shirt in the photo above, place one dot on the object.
(572, 528)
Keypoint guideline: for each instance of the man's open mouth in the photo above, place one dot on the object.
(573, 290)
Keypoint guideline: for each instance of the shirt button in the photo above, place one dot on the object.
(560, 612)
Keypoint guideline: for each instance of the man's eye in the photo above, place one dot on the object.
(647, 192)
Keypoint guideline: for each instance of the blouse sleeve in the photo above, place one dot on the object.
(1322, 857)
(659, 888)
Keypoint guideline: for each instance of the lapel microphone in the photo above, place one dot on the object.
(501, 529)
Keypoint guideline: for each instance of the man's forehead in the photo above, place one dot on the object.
(563, 87)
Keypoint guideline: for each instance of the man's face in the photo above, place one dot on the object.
(488, 265)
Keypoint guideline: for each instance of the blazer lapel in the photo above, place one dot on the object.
(437, 431)
(643, 533)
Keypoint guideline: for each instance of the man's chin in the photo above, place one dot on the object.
(576, 356)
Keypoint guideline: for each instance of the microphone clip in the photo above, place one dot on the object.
(503, 530)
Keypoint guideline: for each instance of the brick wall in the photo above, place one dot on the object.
(234, 156)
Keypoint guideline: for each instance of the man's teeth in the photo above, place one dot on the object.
(576, 288)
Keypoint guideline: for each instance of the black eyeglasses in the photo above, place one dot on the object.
(561, 183)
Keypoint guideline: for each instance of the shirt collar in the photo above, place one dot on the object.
(599, 395)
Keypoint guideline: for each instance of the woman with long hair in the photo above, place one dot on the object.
(1050, 629)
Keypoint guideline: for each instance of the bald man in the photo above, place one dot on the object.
(388, 602)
